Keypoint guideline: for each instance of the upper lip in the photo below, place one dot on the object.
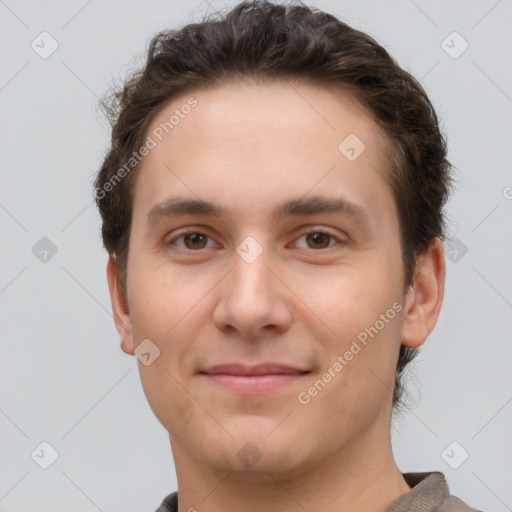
(259, 369)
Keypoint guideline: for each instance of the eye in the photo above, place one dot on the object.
(191, 240)
(318, 239)
(194, 240)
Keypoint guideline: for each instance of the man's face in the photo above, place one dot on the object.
(251, 287)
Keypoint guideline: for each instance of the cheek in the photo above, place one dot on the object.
(352, 299)
(363, 307)
(162, 312)
(159, 299)
(167, 307)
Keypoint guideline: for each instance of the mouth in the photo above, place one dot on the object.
(253, 379)
(254, 384)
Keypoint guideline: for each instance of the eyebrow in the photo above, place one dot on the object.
(175, 206)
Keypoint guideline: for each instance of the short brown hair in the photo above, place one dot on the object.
(260, 39)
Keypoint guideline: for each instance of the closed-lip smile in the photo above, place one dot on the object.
(259, 369)
(255, 379)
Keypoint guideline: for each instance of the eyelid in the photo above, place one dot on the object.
(188, 231)
(325, 232)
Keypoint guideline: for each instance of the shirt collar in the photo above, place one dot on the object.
(427, 493)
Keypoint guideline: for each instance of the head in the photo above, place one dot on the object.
(267, 105)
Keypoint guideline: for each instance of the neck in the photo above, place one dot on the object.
(360, 477)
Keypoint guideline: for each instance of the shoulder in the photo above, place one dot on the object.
(429, 491)
(454, 504)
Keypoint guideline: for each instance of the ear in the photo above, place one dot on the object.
(424, 301)
(119, 308)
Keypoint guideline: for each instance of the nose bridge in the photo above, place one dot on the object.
(251, 298)
(251, 278)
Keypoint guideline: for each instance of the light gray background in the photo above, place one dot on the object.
(63, 377)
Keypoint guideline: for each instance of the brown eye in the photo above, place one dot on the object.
(318, 239)
(194, 240)
(191, 240)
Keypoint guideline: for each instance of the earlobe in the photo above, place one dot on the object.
(120, 310)
(423, 303)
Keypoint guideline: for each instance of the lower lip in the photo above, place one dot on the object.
(254, 383)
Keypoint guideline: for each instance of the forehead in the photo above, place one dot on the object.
(254, 109)
(245, 144)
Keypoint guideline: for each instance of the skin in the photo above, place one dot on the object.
(248, 147)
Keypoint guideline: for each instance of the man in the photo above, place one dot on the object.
(272, 208)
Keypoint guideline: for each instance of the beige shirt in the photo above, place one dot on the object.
(429, 493)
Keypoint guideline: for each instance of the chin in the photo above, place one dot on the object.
(257, 447)
(258, 463)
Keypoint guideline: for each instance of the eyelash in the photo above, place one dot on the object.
(309, 232)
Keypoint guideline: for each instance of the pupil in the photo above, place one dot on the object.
(195, 238)
(317, 238)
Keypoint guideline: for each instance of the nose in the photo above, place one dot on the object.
(253, 299)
